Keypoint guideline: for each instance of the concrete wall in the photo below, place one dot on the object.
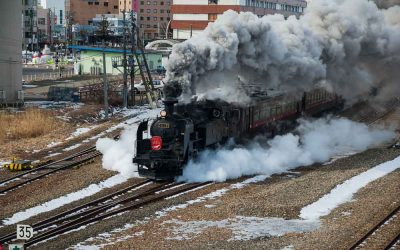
(10, 48)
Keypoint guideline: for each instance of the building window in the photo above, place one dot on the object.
(148, 3)
(155, 26)
(155, 11)
(168, 18)
(161, 11)
(141, 18)
(161, 3)
(42, 21)
(212, 1)
(148, 18)
(168, 3)
(106, 4)
(168, 11)
(141, 10)
(141, 2)
(148, 26)
(155, 3)
(116, 7)
(161, 18)
(148, 10)
(90, 3)
(96, 3)
(155, 18)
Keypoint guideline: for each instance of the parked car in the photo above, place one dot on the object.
(158, 85)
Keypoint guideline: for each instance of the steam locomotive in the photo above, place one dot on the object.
(182, 131)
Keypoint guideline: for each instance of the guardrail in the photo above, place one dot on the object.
(48, 75)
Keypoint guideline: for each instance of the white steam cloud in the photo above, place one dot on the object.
(317, 141)
(350, 45)
(118, 155)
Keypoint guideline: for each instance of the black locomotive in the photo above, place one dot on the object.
(183, 130)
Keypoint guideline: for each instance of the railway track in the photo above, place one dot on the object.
(130, 198)
(370, 116)
(377, 234)
(77, 159)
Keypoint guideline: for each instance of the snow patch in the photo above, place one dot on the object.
(72, 147)
(109, 237)
(345, 191)
(66, 199)
(52, 155)
(243, 228)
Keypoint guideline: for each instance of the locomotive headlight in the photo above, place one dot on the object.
(163, 113)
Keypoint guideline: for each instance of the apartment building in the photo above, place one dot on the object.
(29, 24)
(83, 11)
(190, 17)
(153, 16)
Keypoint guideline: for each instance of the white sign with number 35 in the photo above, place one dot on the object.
(24, 232)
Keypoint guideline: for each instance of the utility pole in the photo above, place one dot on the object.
(132, 61)
(191, 31)
(31, 26)
(105, 83)
(50, 28)
(124, 63)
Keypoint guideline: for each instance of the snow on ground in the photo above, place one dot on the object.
(66, 199)
(53, 144)
(338, 157)
(211, 196)
(248, 228)
(108, 237)
(2, 162)
(242, 227)
(72, 147)
(80, 131)
(52, 155)
(345, 191)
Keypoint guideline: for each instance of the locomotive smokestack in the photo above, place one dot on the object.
(169, 105)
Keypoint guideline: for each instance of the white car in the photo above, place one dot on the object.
(158, 85)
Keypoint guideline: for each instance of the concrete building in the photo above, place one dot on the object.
(10, 52)
(83, 11)
(115, 22)
(190, 17)
(91, 60)
(29, 25)
(57, 7)
(153, 16)
(43, 26)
